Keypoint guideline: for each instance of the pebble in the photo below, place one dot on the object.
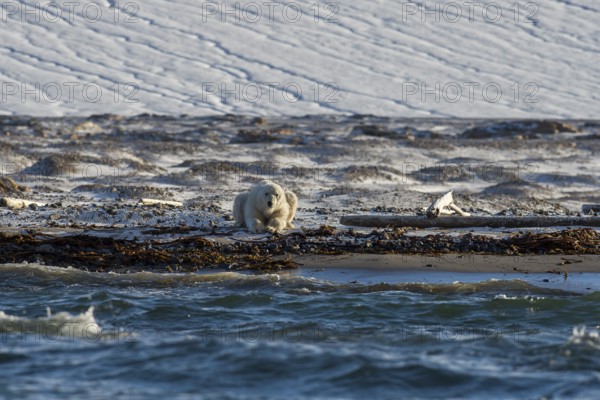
(45, 248)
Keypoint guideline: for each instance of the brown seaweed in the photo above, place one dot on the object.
(193, 252)
(187, 254)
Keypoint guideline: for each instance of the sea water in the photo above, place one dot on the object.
(70, 334)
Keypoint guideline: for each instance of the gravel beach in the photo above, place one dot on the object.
(81, 182)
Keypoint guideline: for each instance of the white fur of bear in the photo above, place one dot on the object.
(265, 208)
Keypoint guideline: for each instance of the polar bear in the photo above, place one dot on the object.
(266, 207)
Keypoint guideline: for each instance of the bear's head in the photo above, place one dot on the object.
(270, 196)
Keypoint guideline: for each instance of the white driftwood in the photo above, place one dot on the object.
(398, 221)
(154, 202)
(445, 206)
(14, 204)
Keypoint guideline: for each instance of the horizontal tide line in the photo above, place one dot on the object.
(465, 222)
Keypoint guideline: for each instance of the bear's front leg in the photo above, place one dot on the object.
(255, 226)
(276, 225)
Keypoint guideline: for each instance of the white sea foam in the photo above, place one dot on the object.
(581, 335)
(60, 326)
(528, 298)
(504, 297)
(53, 326)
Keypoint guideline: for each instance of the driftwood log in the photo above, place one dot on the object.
(381, 221)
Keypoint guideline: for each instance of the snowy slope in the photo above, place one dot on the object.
(378, 57)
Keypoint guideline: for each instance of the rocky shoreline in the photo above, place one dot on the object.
(78, 186)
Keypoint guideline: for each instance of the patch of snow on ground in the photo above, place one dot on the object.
(501, 58)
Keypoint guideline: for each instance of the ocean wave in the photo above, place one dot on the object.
(36, 273)
(18, 275)
(512, 288)
(59, 326)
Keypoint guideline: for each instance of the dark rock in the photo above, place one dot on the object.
(525, 128)
(255, 136)
(9, 186)
(516, 188)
